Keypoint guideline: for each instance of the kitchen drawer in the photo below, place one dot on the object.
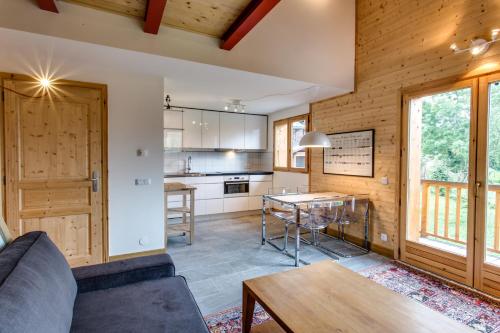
(255, 202)
(261, 178)
(209, 191)
(174, 180)
(259, 188)
(194, 180)
(237, 204)
(214, 206)
(213, 180)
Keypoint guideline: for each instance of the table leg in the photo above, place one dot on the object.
(191, 216)
(263, 221)
(165, 227)
(367, 222)
(248, 307)
(297, 237)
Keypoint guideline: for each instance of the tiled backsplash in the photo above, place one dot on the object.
(217, 161)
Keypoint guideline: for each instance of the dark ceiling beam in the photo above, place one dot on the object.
(48, 5)
(248, 19)
(154, 14)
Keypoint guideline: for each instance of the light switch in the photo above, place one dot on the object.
(384, 181)
(143, 181)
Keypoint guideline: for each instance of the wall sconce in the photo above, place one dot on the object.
(477, 46)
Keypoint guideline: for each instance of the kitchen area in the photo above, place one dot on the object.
(223, 155)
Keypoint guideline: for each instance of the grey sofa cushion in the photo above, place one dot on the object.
(11, 254)
(39, 293)
(163, 305)
(123, 272)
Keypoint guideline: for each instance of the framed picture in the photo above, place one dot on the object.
(351, 154)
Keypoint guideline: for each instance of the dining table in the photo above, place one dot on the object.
(298, 202)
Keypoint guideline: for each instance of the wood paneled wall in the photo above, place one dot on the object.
(399, 44)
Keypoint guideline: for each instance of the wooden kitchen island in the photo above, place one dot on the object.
(185, 227)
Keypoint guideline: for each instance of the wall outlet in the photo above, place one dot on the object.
(142, 152)
(143, 181)
(383, 237)
(143, 241)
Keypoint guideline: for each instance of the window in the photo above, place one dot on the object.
(288, 155)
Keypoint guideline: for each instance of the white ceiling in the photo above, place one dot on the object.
(189, 84)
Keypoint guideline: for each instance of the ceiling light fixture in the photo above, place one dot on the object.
(315, 139)
(45, 83)
(235, 106)
(477, 46)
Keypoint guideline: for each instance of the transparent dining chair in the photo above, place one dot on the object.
(320, 214)
(284, 213)
(347, 215)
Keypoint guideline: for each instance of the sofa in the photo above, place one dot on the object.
(39, 292)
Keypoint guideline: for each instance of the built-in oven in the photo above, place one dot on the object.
(236, 186)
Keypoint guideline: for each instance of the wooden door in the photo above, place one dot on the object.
(54, 166)
(487, 247)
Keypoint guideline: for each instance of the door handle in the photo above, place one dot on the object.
(95, 181)
(478, 185)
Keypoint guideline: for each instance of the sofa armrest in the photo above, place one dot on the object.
(123, 272)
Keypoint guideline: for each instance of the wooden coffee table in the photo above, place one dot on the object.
(326, 297)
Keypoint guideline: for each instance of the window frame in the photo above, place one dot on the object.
(288, 122)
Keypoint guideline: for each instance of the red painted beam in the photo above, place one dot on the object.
(154, 14)
(49, 5)
(252, 15)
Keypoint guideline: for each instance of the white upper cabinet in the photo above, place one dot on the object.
(232, 130)
(172, 119)
(199, 129)
(191, 123)
(210, 129)
(255, 132)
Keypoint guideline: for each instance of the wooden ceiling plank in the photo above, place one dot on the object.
(154, 14)
(253, 13)
(48, 5)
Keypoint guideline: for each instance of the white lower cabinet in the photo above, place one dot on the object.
(237, 204)
(214, 206)
(255, 202)
(209, 195)
(260, 188)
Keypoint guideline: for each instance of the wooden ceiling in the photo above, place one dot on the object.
(209, 17)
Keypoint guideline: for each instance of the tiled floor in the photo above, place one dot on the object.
(227, 251)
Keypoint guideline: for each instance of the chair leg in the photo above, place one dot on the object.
(285, 240)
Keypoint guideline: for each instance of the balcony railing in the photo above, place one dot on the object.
(444, 212)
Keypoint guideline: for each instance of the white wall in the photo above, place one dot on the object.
(316, 37)
(290, 180)
(135, 121)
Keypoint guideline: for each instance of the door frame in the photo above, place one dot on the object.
(436, 267)
(103, 88)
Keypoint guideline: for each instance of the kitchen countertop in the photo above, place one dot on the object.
(211, 173)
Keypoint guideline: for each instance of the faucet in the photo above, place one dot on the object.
(188, 167)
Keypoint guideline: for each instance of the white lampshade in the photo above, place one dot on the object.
(315, 139)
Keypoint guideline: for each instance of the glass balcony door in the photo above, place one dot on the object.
(438, 179)
(487, 249)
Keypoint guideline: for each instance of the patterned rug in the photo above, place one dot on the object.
(460, 304)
